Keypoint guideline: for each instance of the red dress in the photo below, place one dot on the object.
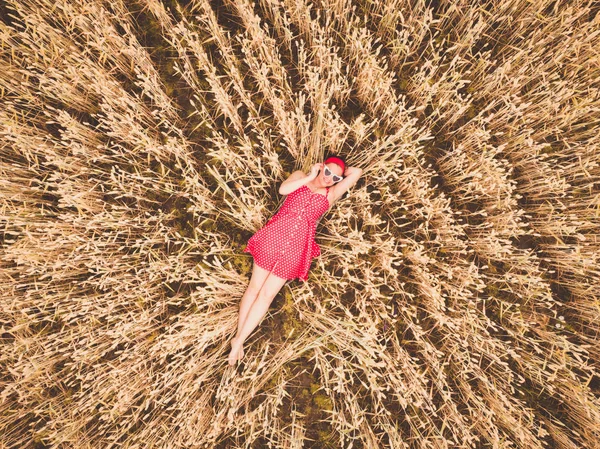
(286, 245)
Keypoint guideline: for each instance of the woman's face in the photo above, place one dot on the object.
(328, 181)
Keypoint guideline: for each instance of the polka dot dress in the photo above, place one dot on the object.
(286, 245)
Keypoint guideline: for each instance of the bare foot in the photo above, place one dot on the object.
(233, 355)
(241, 352)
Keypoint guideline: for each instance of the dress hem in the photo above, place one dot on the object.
(246, 250)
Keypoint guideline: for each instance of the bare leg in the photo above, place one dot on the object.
(259, 275)
(256, 313)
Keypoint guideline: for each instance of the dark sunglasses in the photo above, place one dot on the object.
(328, 173)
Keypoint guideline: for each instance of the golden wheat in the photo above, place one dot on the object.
(455, 303)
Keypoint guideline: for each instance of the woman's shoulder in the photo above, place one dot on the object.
(296, 175)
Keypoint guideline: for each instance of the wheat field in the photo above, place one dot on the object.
(456, 301)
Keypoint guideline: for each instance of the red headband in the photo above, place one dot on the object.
(336, 160)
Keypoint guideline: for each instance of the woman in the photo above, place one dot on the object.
(284, 248)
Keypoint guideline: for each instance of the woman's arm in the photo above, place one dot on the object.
(298, 179)
(294, 181)
(351, 175)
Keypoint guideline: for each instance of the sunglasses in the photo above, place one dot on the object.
(328, 173)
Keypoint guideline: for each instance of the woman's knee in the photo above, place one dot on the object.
(253, 288)
(270, 288)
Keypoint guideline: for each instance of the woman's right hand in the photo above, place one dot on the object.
(314, 170)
